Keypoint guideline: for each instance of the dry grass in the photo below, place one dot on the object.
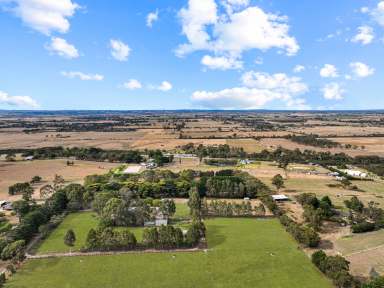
(23, 171)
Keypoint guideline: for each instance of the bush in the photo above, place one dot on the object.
(14, 250)
(363, 227)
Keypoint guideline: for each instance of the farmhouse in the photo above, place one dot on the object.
(280, 198)
(158, 219)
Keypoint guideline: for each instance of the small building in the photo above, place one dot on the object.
(28, 158)
(355, 173)
(245, 161)
(280, 198)
(133, 169)
(161, 221)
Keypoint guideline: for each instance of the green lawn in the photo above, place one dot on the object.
(243, 253)
(79, 222)
(182, 211)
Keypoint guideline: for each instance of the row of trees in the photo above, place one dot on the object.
(231, 209)
(336, 268)
(109, 239)
(302, 233)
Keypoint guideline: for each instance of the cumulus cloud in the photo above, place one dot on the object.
(165, 86)
(361, 70)
(328, 71)
(152, 17)
(364, 36)
(230, 34)
(82, 76)
(119, 50)
(333, 91)
(298, 69)
(257, 90)
(62, 48)
(221, 63)
(378, 13)
(22, 101)
(45, 16)
(132, 84)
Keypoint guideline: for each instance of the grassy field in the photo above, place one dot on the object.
(242, 253)
(81, 223)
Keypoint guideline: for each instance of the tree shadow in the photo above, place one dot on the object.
(326, 244)
(216, 237)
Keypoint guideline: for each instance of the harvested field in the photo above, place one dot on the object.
(364, 251)
(23, 171)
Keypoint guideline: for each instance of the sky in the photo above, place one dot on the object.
(191, 54)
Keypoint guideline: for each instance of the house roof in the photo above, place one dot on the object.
(280, 197)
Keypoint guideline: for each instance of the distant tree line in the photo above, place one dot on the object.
(313, 140)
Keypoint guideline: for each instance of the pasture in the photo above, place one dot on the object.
(242, 253)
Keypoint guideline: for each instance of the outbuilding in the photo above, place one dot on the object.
(280, 198)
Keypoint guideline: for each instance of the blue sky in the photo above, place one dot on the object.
(196, 54)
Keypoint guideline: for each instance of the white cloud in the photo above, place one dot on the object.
(258, 89)
(152, 17)
(333, 91)
(298, 69)
(62, 48)
(165, 86)
(278, 82)
(364, 10)
(194, 20)
(364, 36)
(221, 63)
(328, 71)
(82, 76)
(230, 34)
(361, 70)
(132, 84)
(23, 101)
(45, 16)
(119, 50)
(378, 13)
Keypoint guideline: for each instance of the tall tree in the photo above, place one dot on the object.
(194, 203)
(70, 238)
(278, 181)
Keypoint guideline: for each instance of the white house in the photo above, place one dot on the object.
(28, 158)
